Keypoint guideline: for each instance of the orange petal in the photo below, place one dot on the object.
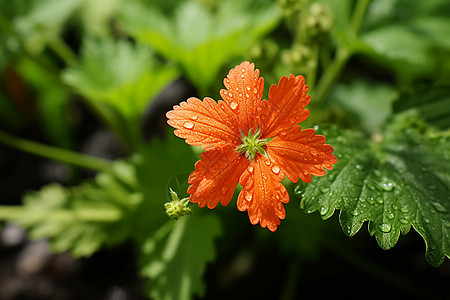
(285, 107)
(205, 123)
(262, 194)
(301, 154)
(243, 94)
(216, 176)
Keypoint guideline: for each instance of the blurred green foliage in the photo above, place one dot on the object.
(377, 70)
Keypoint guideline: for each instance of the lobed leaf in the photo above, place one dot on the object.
(199, 39)
(396, 183)
(175, 257)
(84, 218)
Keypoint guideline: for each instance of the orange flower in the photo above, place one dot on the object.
(253, 142)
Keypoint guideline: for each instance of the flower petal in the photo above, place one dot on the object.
(243, 94)
(216, 176)
(285, 107)
(262, 194)
(206, 123)
(301, 154)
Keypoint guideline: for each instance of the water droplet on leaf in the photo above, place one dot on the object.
(323, 210)
(385, 228)
(359, 167)
(439, 207)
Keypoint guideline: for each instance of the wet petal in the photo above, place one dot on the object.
(206, 123)
(216, 176)
(243, 94)
(262, 194)
(301, 153)
(285, 107)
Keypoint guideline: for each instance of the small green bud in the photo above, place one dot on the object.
(291, 7)
(317, 21)
(177, 208)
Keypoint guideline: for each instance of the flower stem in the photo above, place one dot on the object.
(56, 153)
(343, 53)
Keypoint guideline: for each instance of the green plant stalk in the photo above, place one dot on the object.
(55, 153)
(107, 215)
(62, 50)
(343, 53)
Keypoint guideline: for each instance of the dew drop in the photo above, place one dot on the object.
(390, 216)
(255, 91)
(248, 197)
(359, 167)
(323, 210)
(275, 169)
(233, 105)
(248, 88)
(188, 125)
(316, 127)
(194, 117)
(385, 228)
(426, 220)
(242, 75)
(243, 71)
(267, 162)
(225, 93)
(313, 151)
(247, 95)
(230, 94)
(403, 221)
(379, 200)
(250, 169)
(387, 186)
(439, 207)
(331, 177)
(324, 189)
(355, 213)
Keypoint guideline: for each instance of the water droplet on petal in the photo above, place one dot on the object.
(233, 105)
(194, 118)
(267, 162)
(188, 125)
(385, 228)
(243, 76)
(313, 151)
(248, 197)
(275, 169)
(243, 70)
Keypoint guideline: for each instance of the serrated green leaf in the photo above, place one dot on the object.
(201, 40)
(400, 181)
(175, 257)
(86, 217)
(122, 75)
(431, 103)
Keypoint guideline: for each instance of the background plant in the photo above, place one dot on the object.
(378, 75)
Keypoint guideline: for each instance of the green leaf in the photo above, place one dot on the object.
(401, 48)
(199, 39)
(122, 75)
(402, 179)
(370, 102)
(175, 257)
(431, 103)
(84, 218)
(156, 165)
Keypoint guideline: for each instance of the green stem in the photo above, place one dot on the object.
(10, 212)
(107, 215)
(331, 74)
(56, 153)
(358, 16)
(343, 54)
(315, 49)
(63, 51)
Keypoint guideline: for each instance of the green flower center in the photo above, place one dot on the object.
(252, 144)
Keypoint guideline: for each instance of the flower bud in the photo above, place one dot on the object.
(177, 208)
